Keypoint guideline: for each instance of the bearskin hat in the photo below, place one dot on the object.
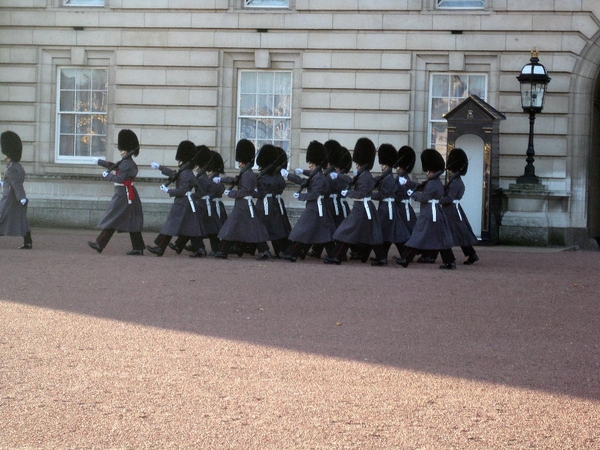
(364, 152)
(267, 155)
(458, 161)
(281, 162)
(11, 145)
(128, 141)
(345, 161)
(185, 151)
(387, 155)
(245, 151)
(215, 163)
(406, 158)
(432, 161)
(203, 155)
(332, 150)
(316, 153)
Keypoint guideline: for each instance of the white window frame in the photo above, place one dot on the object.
(256, 4)
(453, 101)
(239, 117)
(451, 4)
(75, 159)
(83, 3)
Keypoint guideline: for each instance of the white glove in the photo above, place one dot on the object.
(296, 195)
(95, 160)
(355, 172)
(402, 181)
(164, 188)
(226, 192)
(333, 175)
(217, 180)
(1, 183)
(105, 174)
(284, 173)
(409, 192)
(344, 192)
(23, 201)
(154, 165)
(299, 171)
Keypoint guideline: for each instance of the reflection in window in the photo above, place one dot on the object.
(266, 3)
(81, 120)
(446, 92)
(265, 108)
(461, 4)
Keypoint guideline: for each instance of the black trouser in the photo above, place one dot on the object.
(467, 250)
(295, 249)
(340, 249)
(382, 250)
(137, 241)
(280, 245)
(196, 242)
(260, 246)
(215, 242)
(446, 254)
(27, 239)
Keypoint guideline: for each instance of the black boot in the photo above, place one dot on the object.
(95, 246)
(155, 250)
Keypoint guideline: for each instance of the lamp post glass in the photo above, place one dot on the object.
(534, 79)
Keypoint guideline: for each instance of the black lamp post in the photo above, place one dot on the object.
(534, 79)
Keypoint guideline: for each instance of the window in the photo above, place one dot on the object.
(460, 4)
(446, 91)
(81, 121)
(264, 110)
(83, 2)
(266, 3)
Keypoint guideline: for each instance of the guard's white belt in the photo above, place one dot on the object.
(208, 207)
(433, 210)
(126, 191)
(366, 201)
(406, 208)
(335, 204)
(280, 202)
(266, 203)
(390, 201)
(250, 205)
(189, 194)
(345, 207)
(217, 207)
(320, 205)
(457, 202)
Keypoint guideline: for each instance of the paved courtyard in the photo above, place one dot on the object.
(112, 351)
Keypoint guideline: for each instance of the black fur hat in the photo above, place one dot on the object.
(128, 141)
(345, 161)
(185, 151)
(332, 151)
(266, 155)
(432, 161)
(387, 155)
(12, 145)
(458, 161)
(215, 163)
(406, 158)
(316, 153)
(203, 155)
(364, 152)
(245, 151)
(282, 160)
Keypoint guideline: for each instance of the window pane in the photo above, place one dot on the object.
(98, 145)
(265, 83)
(66, 145)
(458, 86)
(282, 106)
(477, 85)
(84, 81)
(99, 80)
(99, 125)
(82, 146)
(83, 101)
(464, 4)
(99, 101)
(439, 107)
(264, 129)
(248, 129)
(265, 105)
(440, 85)
(266, 3)
(247, 105)
(67, 79)
(67, 101)
(283, 83)
(248, 83)
(67, 123)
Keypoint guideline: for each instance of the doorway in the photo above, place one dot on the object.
(472, 201)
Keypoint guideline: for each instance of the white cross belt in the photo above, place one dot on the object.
(457, 202)
(406, 208)
(335, 204)
(433, 210)
(366, 201)
(280, 202)
(189, 194)
(250, 205)
(390, 202)
(320, 205)
(266, 203)
(208, 207)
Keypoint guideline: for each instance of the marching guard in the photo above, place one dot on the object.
(124, 213)
(13, 205)
(361, 228)
(182, 220)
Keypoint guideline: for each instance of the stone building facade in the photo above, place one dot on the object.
(75, 72)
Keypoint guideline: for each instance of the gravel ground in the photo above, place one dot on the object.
(112, 351)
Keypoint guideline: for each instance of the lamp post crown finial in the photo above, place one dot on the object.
(534, 53)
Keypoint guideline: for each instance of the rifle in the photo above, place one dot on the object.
(246, 168)
(127, 156)
(381, 177)
(306, 182)
(422, 184)
(174, 177)
(358, 173)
